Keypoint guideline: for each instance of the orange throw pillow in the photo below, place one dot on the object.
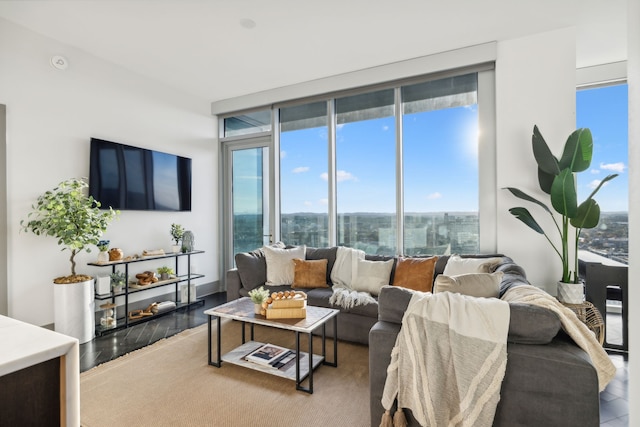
(310, 274)
(415, 273)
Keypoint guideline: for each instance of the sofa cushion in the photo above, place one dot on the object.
(481, 285)
(252, 269)
(372, 275)
(415, 273)
(531, 324)
(310, 274)
(280, 267)
(457, 265)
(528, 324)
(324, 253)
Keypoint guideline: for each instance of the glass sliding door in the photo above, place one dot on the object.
(247, 217)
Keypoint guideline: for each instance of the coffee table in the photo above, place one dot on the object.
(243, 310)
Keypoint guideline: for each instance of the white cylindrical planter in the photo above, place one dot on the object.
(571, 293)
(73, 307)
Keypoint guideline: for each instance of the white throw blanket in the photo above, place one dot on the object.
(343, 273)
(577, 330)
(449, 359)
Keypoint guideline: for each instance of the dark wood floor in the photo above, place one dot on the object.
(614, 401)
(115, 344)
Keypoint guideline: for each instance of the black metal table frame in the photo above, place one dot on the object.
(299, 379)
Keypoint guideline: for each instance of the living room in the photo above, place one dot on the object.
(51, 115)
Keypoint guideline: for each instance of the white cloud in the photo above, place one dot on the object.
(595, 171)
(385, 128)
(618, 167)
(301, 169)
(283, 154)
(340, 176)
(593, 184)
(434, 196)
(308, 203)
(324, 202)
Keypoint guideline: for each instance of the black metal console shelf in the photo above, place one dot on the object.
(124, 322)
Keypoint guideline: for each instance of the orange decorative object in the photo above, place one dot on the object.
(115, 254)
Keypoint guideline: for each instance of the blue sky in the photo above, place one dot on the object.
(604, 111)
(437, 145)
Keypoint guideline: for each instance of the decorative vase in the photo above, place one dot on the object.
(164, 276)
(257, 308)
(175, 249)
(188, 241)
(117, 288)
(103, 257)
(571, 293)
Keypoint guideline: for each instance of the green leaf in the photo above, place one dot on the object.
(588, 215)
(545, 180)
(524, 196)
(547, 162)
(525, 216)
(564, 198)
(578, 151)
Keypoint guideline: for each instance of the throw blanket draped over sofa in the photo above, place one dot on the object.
(449, 360)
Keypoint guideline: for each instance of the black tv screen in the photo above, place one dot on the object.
(131, 178)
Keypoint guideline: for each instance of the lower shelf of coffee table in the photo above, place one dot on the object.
(236, 357)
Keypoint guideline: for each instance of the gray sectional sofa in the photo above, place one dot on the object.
(549, 380)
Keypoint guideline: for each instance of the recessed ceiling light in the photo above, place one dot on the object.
(59, 62)
(247, 23)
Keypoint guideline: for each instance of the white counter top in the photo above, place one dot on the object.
(25, 345)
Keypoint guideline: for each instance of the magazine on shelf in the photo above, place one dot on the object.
(267, 354)
(285, 360)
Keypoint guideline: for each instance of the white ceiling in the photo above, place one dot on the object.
(203, 48)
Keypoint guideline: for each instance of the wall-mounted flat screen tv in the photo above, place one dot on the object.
(131, 178)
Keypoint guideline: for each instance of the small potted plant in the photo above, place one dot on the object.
(118, 280)
(165, 272)
(258, 296)
(177, 231)
(103, 255)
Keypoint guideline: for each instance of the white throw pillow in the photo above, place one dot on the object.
(372, 276)
(481, 285)
(457, 265)
(280, 265)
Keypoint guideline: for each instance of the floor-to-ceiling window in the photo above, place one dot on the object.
(604, 110)
(391, 169)
(366, 172)
(304, 199)
(440, 166)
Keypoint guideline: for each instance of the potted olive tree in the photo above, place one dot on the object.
(75, 219)
(558, 179)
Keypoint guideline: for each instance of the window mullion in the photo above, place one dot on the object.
(399, 173)
(331, 170)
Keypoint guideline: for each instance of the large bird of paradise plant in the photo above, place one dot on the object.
(557, 178)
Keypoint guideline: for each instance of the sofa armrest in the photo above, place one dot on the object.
(233, 284)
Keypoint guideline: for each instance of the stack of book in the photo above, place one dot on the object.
(271, 356)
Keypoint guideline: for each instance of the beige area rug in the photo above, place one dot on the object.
(171, 384)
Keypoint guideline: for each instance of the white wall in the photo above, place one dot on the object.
(535, 84)
(633, 61)
(51, 116)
